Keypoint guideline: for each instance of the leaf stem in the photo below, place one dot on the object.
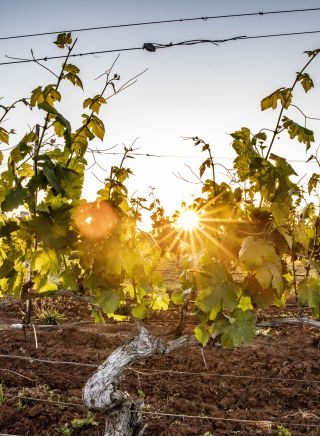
(276, 131)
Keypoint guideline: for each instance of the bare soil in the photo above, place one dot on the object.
(245, 391)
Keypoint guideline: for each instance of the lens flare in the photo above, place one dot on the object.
(188, 220)
(95, 220)
(88, 220)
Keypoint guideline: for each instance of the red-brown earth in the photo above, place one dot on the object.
(246, 391)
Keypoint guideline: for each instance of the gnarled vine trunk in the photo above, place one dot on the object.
(123, 413)
(101, 392)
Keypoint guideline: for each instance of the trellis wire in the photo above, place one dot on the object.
(153, 22)
(245, 421)
(183, 416)
(169, 371)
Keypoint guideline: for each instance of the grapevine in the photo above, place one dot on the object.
(249, 237)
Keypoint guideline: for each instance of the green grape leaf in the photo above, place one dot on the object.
(243, 135)
(302, 134)
(264, 276)
(44, 285)
(284, 95)
(129, 259)
(178, 297)
(74, 79)
(49, 172)
(108, 299)
(217, 286)
(263, 297)
(16, 155)
(256, 252)
(245, 303)
(208, 298)
(51, 94)
(94, 103)
(281, 211)
(95, 125)
(206, 164)
(25, 171)
(309, 292)
(46, 261)
(79, 145)
(63, 39)
(69, 278)
(4, 135)
(7, 268)
(241, 140)
(313, 182)
(261, 136)
(14, 198)
(276, 271)
(72, 72)
(15, 283)
(214, 312)
(202, 335)
(6, 229)
(259, 255)
(236, 330)
(306, 81)
(160, 299)
(140, 311)
(70, 68)
(243, 165)
(58, 128)
(37, 97)
(285, 169)
(71, 181)
(288, 238)
(303, 234)
(269, 275)
(23, 148)
(3, 286)
(53, 232)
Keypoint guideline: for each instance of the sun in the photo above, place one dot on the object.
(188, 220)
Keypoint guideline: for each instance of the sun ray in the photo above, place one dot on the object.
(193, 245)
(223, 220)
(174, 241)
(228, 253)
(210, 202)
(167, 236)
(197, 234)
(188, 220)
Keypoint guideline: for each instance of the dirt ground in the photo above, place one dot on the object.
(246, 391)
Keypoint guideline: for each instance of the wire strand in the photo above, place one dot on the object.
(152, 47)
(231, 376)
(169, 371)
(180, 415)
(176, 156)
(153, 22)
(244, 421)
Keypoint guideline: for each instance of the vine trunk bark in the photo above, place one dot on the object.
(124, 415)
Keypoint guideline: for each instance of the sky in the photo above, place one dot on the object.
(204, 90)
